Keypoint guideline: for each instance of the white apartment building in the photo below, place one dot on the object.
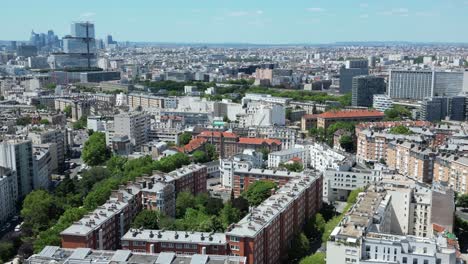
(249, 159)
(135, 125)
(261, 114)
(267, 98)
(96, 123)
(56, 136)
(8, 194)
(283, 156)
(382, 102)
(363, 236)
(286, 135)
(337, 184)
(323, 157)
(41, 164)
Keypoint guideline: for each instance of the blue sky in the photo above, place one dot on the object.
(251, 21)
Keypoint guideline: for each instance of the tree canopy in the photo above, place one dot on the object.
(397, 113)
(258, 192)
(95, 151)
(347, 143)
(400, 130)
(185, 138)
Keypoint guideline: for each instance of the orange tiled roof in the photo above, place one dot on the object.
(217, 134)
(351, 114)
(259, 141)
(438, 228)
(194, 144)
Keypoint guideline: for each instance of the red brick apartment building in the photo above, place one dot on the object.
(103, 228)
(180, 242)
(228, 144)
(328, 118)
(190, 178)
(265, 234)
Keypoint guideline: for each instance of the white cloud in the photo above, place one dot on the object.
(87, 15)
(426, 14)
(259, 12)
(238, 13)
(315, 9)
(363, 5)
(364, 16)
(403, 12)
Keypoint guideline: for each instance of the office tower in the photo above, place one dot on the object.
(135, 125)
(353, 68)
(448, 83)
(17, 155)
(79, 48)
(13, 45)
(438, 108)
(26, 51)
(418, 85)
(372, 61)
(364, 88)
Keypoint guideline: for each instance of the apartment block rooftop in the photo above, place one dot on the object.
(57, 255)
(201, 238)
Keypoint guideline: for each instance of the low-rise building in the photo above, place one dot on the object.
(275, 159)
(326, 119)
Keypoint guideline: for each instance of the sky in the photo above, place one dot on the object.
(243, 21)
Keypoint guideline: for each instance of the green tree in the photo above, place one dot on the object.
(300, 246)
(317, 258)
(462, 201)
(68, 111)
(147, 219)
(39, 211)
(315, 226)
(265, 152)
(294, 167)
(184, 201)
(23, 121)
(50, 86)
(258, 192)
(185, 138)
(346, 142)
(210, 150)
(95, 151)
(400, 130)
(7, 251)
(241, 204)
(200, 156)
(213, 205)
(396, 113)
(229, 214)
(44, 122)
(81, 123)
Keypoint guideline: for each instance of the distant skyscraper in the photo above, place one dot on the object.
(418, 85)
(372, 61)
(79, 48)
(353, 68)
(364, 88)
(440, 107)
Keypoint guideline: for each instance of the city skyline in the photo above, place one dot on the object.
(245, 22)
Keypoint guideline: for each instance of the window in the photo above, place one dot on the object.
(405, 260)
(179, 246)
(415, 261)
(234, 239)
(425, 250)
(426, 261)
(234, 247)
